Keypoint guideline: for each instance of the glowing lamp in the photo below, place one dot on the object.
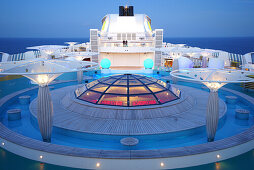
(49, 51)
(148, 63)
(214, 86)
(98, 164)
(42, 79)
(105, 63)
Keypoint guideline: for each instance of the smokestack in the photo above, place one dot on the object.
(131, 13)
(121, 10)
(126, 11)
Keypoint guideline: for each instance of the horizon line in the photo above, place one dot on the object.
(163, 37)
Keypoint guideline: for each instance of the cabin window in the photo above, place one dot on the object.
(133, 35)
(118, 36)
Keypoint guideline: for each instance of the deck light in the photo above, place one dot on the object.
(98, 164)
(162, 164)
(3, 143)
(148, 63)
(218, 156)
(41, 156)
(42, 79)
(217, 165)
(105, 63)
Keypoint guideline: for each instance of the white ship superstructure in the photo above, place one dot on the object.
(126, 40)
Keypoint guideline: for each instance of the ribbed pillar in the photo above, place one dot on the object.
(212, 115)
(80, 76)
(175, 66)
(204, 62)
(45, 113)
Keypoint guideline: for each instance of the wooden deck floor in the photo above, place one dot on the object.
(72, 114)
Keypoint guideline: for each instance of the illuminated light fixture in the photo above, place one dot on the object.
(3, 143)
(218, 156)
(148, 63)
(98, 164)
(41, 156)
(217, 164)
(42, 79)
(162, 164)
(105, 63)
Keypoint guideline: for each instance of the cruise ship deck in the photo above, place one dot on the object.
(127, 98)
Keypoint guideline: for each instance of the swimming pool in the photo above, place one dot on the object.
(147, 142)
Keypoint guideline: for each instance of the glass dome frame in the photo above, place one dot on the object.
(128, 90)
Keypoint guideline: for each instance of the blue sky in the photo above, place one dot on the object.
(178, 18)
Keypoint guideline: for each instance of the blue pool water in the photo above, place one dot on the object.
(230, 126)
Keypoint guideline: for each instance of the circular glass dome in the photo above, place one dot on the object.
(127, 90)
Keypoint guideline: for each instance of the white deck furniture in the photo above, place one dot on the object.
(242, 114)
(14, 114)
(231, 99)
(129, 141)
(24, 100)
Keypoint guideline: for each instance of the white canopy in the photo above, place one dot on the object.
(213, 75)
(71, 43)
(78, 56)
(74, 54)
(44, 71)
(43, 66)
(46, 47)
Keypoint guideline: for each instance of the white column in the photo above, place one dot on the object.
(80, 76)
(204, 62)
(175, 66)
(212, 115)
(45, 113)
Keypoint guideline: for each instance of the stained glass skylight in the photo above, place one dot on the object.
(128, 90)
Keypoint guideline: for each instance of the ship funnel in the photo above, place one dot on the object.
(126, 11)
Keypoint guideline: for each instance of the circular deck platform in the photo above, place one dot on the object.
(184, 114)
(126, 159)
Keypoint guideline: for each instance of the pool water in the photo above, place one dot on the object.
(230, 127)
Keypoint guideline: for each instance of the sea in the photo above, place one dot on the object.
(237, 45)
